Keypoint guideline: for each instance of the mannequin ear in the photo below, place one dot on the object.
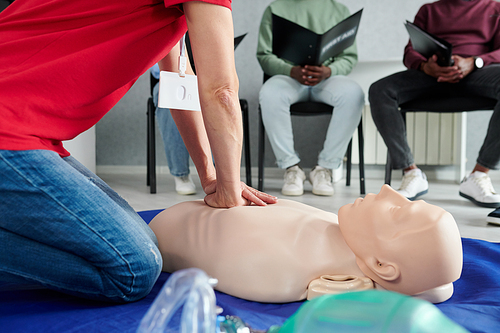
(385, 270)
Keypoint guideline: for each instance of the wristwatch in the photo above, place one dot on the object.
(478, 62)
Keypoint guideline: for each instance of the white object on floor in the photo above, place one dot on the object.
(294, 181)
(413, 184)
(184, 185)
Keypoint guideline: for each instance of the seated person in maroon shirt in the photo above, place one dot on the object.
(473, 28)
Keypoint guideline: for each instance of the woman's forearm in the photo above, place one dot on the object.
(191, 127)
(212, 40)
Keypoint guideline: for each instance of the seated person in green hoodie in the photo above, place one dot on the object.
(291, 83)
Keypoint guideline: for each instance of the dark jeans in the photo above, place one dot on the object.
(388, 93)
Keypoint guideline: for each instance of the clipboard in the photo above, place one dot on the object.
(302, 46)
(428, 44)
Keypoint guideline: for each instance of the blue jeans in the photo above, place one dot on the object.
(281, 91)
(63, 228)
(175, 149)
(388, 93)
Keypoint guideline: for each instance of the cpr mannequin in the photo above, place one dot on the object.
(272, 253)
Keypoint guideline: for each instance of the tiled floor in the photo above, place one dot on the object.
(470, 218)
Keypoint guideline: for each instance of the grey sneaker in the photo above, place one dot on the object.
(184, 185)
(477, 188)
(413, 184)
(294, 181)
(321, 180)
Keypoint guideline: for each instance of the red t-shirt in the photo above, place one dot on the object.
(64, 64)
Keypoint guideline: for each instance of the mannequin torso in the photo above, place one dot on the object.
(300, 244)
(272, 253)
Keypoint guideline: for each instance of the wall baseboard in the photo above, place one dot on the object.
(446, 173)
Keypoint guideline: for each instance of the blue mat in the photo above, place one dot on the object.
(475, 304)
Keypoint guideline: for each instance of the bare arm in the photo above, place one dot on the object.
(191, 127)
(219, 124)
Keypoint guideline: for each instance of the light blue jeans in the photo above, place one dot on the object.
(280, 91)
(63, 228)
(175, 149)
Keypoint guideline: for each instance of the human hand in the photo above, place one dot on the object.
(219, 198)
(465, 65)
(316, 74)
(310, 75)
(450, 74)
(298, 73)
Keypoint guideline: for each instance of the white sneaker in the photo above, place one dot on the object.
(414, 184)
(184, 185)
(477, 188)
(321, 180)
(294, 181)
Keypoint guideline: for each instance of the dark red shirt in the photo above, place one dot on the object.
(472, 27)
(64, 64)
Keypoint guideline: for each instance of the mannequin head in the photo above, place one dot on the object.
(404, 246)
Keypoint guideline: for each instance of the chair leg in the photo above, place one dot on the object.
(349, 164)
(262, 141)
(151, 164)
(361, 148)
(147, 144)
(246, 141)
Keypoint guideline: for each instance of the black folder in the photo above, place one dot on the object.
(237, 40)
(428, 44)
(302, 46)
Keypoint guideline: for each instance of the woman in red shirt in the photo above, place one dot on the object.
(63, 65)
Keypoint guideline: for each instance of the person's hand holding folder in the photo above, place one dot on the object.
(450, 74)
(310, 75)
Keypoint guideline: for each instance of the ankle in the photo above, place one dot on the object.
(411, 167)
(480, 168)
(295, 165)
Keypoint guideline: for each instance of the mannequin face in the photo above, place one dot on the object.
(387, 216)
(405, 246)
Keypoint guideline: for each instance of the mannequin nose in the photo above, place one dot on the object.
(386, 190)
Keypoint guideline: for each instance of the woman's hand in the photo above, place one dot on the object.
(219, 198)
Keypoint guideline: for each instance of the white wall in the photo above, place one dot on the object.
(83, 148)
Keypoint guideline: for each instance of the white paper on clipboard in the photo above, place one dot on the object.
(176, 92)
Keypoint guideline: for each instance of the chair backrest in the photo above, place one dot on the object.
(152, 82)
(310, 109)
(4, 4)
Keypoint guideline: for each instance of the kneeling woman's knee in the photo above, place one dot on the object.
(142, 271)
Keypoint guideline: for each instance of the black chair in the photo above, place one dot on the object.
(454, 104)
(151, 142)
(314, 109)
(4, 4)
(151, 139)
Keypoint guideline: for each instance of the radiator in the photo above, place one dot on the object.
(436, 139)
